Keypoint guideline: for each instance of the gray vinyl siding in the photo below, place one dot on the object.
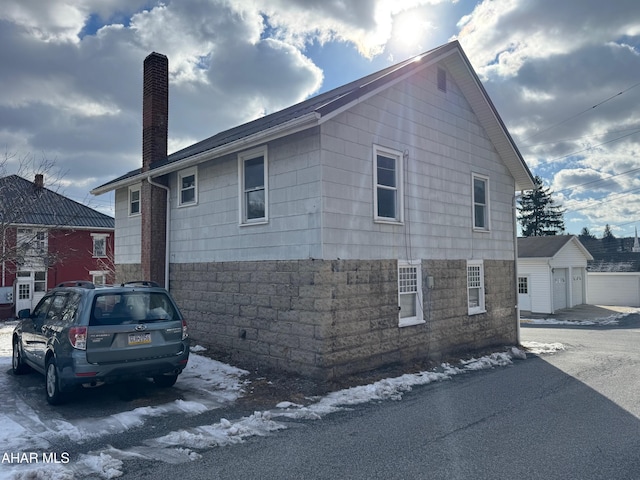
(128, 234)
(445, 145)
(210, 231)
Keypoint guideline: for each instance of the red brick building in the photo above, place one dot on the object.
(47, 238)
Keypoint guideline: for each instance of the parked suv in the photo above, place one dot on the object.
(83, 334)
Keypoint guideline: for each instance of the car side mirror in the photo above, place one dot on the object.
(24, 313)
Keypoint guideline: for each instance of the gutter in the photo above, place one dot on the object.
(292, 126)
(167, 229)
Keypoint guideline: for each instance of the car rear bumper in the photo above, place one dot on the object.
(79, 371)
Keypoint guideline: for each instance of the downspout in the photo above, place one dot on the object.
(167, 229)
(515, 268)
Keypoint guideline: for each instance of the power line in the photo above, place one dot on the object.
(582, 112)
(592, 147)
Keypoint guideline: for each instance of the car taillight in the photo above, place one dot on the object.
(78, 337)
(185, 334)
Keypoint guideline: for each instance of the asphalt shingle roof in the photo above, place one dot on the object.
(23, 203)
(541, 247)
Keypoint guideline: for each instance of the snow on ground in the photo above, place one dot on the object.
(207, 384)
(613, 319)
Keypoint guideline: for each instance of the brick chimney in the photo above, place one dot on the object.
(38, 182)
(155, 115)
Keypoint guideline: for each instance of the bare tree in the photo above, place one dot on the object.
(26, 203)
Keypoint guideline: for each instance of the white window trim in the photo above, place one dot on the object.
(399, 220)
(481, 307)
(98, 273)
(487, 209)
(186, 173)
(418, 319)
(97, 236)
(242, 157)
(132, 189)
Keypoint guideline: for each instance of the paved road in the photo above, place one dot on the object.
(570, 415)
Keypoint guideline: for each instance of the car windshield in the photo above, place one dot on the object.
(131, 307)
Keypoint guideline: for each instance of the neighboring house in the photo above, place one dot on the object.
(552, 273)
(371, 224)
(46, 239)
(614, 273)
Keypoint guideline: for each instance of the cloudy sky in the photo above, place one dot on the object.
(564, 75)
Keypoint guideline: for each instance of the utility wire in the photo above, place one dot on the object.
(582, 112)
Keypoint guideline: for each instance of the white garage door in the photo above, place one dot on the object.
(612, 289)
(577, 286)
(559, 288)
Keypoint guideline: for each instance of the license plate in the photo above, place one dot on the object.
(139, 338)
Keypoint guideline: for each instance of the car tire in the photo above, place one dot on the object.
(53, 391)
(17, 363)
(165, 381)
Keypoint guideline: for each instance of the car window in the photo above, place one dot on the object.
(132, 307)
(40, 312)
(70, 311)
(57, 306)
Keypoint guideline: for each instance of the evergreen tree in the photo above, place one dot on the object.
(609, 240)
(585, 234)
(538, 213)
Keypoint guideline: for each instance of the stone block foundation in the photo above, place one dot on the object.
(330, 318)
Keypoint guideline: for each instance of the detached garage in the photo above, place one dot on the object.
(551, 273)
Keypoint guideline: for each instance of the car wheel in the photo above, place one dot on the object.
(165, 381)
(52, 383)
(17, 364)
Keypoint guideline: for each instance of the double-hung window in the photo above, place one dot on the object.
(480, 193)
(410, 293)
(387, 185)
(99, 244)
(134, 200)
(254, 189)
(188, 187)
(475, 286)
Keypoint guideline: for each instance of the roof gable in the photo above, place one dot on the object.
(22, 203)
(548, 246)
(320, 108)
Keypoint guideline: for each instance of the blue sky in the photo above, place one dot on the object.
(565, 77)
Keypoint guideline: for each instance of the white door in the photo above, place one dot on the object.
(559, 288)
(24, 293)
(524, 293)
(577, 286)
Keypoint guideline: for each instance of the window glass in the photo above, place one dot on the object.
(40, 283)
(188, 189)
(479, 203)
(475, 288)
(387, 179)
(41, 309)
(99, 246)
(69, 314)
(523, 285)
(254, 201)
(409, 293)
(134, 202)
(133, 307)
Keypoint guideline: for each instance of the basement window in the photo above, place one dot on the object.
(410, 293)
(475, 287)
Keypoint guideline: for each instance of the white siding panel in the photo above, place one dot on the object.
(620, 289)
(209, 231)
(444, 144)
(539, 284)
(128, 232)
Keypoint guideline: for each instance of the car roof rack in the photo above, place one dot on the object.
(76, 283)
(140, 283)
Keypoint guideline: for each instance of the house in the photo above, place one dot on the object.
(48, 238)
(552, 273)
(369, 225)
(614, 273)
